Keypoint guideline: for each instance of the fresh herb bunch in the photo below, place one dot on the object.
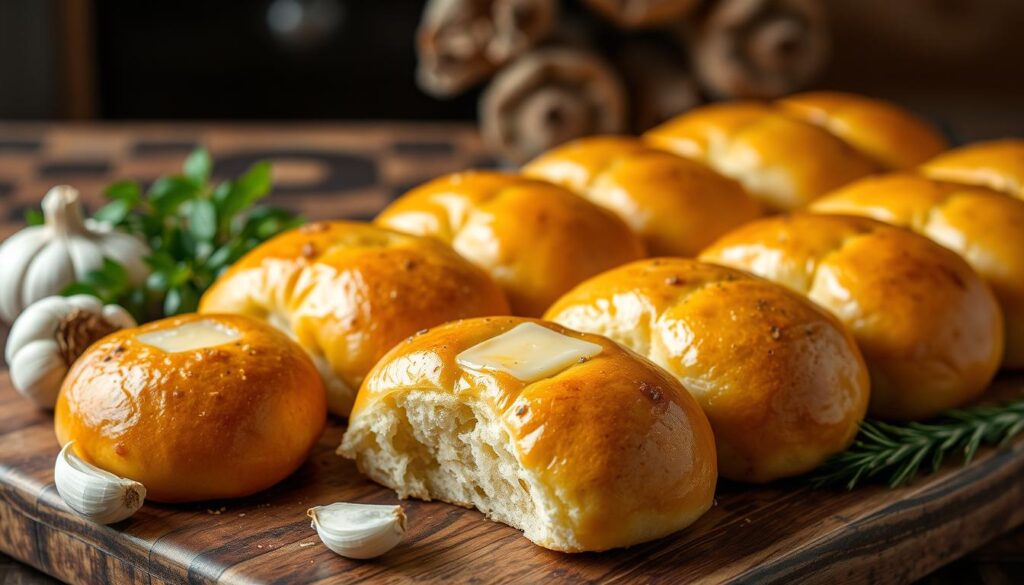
(897, 452)
(194, 231)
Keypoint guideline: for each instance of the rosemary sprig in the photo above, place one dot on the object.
(896, 452)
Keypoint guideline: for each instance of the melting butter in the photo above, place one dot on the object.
(190, 336)
(529, 352)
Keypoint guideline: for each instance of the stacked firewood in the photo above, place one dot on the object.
(558, 70)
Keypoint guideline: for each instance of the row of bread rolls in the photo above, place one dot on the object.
(611, 449)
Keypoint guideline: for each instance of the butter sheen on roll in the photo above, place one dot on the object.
(929, 327)
(536, 239)
(780, 379)
(195, 407)
(597, 451)
(985, 227)
(348, 292)
(676, 205)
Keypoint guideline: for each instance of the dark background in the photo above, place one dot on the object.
(354, 59)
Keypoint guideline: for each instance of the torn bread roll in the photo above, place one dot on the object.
(537, 240)
(929, 327)
(790, 152)
(581, 444)
(985, 227)
(348, 292)
(676, 205)
(996, 164)
(780, 379)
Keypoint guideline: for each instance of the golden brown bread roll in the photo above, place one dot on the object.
(676, 205)
(348, 292)
(929, 327)
(892, 136)
(537, 240)
(985, 227)
(573, 439)
(782, 160)
(780, 379)
(997, 164)
(195, 407)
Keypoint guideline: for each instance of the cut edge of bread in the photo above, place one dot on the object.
(433, 446)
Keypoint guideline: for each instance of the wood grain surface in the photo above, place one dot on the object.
(782, 533)
(785, 532)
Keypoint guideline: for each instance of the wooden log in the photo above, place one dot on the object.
(635, 14)
(759, 48)
(549, 96)
(658, 79)
(462, 42)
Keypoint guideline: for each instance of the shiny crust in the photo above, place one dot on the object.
(892, 136)
(997, 164)
(617, 438)
(676, 205)
(218, 422)
(537, 240)
(928, 326)
(780, 379)
(348, 292)
(782, 160)
(985, 227)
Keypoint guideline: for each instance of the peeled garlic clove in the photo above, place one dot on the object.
(94, 493)
(359, 531)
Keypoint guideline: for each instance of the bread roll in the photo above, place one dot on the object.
(892, 136)
(348, 292)
(781, 160)
(780, 379)
(929, 327)
(196, 407)
(535, 239)
(998, 165)
(583, 448)
(676, 205)
(985, 227)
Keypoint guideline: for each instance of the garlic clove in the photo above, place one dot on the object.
(358, 531)
(35, 374)
(94, 493)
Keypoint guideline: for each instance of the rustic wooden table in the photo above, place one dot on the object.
(324, 170)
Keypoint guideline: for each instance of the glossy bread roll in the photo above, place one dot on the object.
(998, 165)
(985, 227)
(196, 407)
(780, 379)
(348, 292)
(892, 136)
(676, 205)
(928, 326)
(535, 239)
(782, 160)
(580, 443)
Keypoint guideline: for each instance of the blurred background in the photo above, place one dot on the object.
(960, 62)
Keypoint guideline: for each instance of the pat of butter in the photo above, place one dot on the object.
(529, 352)
(190, 336)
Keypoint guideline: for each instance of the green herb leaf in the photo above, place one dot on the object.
(197, 166)
(168, 193)
(114, 212)
(895, 453)
(124, 191)
(203, 220)
(34, 217)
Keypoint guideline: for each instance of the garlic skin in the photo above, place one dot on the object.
(94, 493)
(358, 531)
(48, 337)
(41, 260)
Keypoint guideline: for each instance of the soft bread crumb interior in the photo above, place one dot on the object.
(433, 446)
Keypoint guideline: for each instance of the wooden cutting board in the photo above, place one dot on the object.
(782, 533)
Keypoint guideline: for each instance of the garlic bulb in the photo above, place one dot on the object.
(97, 495)
(358, 531)
(48, 337)
(39, 261)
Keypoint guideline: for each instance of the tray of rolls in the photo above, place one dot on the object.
(620, 362)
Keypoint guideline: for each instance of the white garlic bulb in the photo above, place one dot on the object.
(41, 260)
(358, 531)
(94, 493)
(48, 337)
